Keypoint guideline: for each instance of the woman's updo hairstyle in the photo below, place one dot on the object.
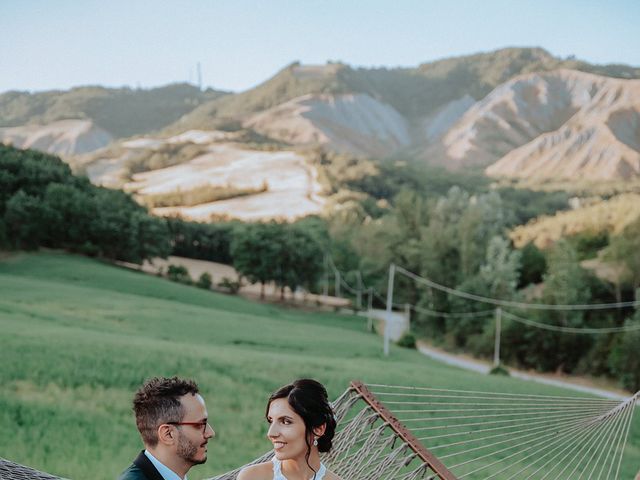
(309, 399)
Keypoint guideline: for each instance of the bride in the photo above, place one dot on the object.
(301, 424)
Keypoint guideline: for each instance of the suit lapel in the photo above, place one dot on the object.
(144, 464)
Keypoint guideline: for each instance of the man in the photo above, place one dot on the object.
(172, 419)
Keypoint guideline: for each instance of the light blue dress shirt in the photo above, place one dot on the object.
(165, 471)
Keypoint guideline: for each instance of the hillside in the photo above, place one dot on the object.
(62, 137)
(80, 336)
(121, 112)
(350, 123)
(201, 175)
(519, 113)
(593, 136)
(414, 92)
(292, 81)
(462, 112)
(610, 216)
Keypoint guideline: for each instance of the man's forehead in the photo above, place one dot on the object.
(194, 404)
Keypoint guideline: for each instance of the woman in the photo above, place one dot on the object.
(301, 424)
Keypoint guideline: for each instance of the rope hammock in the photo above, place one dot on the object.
(15, 471)
(410, 433)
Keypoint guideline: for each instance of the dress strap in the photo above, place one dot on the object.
(321, 471)
(278, 475)
(277, 470)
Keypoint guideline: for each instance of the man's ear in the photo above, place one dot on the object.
(166, 434)
(319, 431)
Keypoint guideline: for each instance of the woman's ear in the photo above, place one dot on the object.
(319, 431)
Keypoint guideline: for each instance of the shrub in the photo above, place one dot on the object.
(179, 273)
(408, 340)
(204, 281)
(499, 370)
(232, 286)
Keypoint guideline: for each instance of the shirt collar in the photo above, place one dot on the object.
(165, 471)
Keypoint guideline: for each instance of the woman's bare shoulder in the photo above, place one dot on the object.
(259, 471)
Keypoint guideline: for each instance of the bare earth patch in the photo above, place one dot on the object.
(292, 189)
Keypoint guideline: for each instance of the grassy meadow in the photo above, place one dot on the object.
(77, 337)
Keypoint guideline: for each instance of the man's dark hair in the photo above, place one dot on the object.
(158, 402)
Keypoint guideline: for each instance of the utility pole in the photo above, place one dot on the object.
(199, 77)
(407, 313)
(392, 273)
(496, 348)
(325, 287)
(369, 308)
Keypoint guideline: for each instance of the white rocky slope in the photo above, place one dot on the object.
(353, 123)
(284, 182)
(514, 114)
(64, 137)
(600, 142)
(292, 189)
(438, 124)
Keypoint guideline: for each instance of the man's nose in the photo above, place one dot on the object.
(209, 432)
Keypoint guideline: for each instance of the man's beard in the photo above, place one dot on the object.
(187, 450)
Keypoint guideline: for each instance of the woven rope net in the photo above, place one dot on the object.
(407, 433)
(14, 471)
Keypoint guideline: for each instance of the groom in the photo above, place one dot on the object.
(172, 419)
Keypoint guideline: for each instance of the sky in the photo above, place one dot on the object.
(58, 44)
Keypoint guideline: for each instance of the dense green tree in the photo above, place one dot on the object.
(203, 241)
(624, 359)
(69, 214)
(565, 283)
(625, 249)
(254, 251)
(24, 218)
(288, 255)
(501, 268)
(497, 278)
(43, 204)
(4, 240)
(533, 265)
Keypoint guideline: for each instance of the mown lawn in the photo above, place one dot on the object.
(79, 336)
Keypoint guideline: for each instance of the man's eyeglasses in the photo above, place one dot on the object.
(202, 425)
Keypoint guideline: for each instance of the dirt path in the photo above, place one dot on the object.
(469, 363)
(219, 271)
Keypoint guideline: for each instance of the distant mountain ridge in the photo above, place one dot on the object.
(122, 112)
(518, 112)
(414, 92)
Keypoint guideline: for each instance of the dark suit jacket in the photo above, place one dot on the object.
(141, 469)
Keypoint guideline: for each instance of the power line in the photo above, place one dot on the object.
(525, 321)
(558, 328)
(452, 314)
(508, 303)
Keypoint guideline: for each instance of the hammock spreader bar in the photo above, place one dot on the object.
(427, 457)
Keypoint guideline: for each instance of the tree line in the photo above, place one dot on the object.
(453, 236)
(42, 204)
(460, 240)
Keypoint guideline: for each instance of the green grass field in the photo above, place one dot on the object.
(77, 337)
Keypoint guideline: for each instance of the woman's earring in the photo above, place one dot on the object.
(315, 442)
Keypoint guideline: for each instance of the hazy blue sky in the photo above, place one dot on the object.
(49, 44)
